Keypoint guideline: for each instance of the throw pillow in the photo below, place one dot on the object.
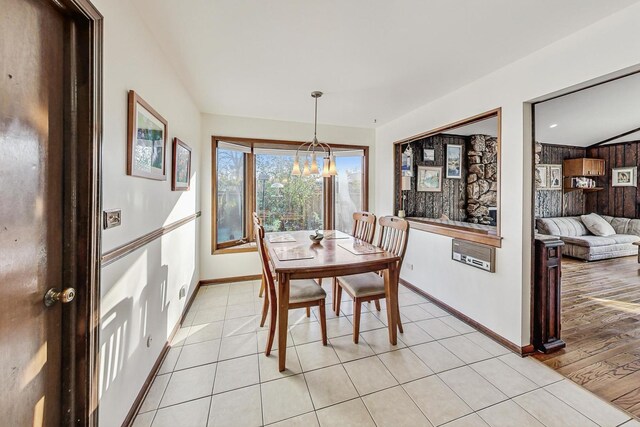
(597, 225)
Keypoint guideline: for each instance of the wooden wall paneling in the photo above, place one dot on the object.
(452, 199)
(615, 201)
(619, 203)
(610, 154)
(630, 201)
(553, 203)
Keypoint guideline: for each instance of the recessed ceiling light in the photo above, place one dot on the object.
(553, 125)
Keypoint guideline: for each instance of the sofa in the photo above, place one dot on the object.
(580, 243)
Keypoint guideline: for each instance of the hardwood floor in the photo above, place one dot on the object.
(601, 326)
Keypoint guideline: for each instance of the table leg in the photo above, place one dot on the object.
(283, 319)
(391, 291)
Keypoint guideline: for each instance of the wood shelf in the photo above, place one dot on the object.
(586, 190)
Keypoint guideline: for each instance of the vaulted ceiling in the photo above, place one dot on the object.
(374, 59)
(609, 111)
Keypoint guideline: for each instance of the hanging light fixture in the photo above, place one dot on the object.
(311, 150)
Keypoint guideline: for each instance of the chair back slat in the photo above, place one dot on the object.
(256, 218)
(264, 259)
(394, 233)
(364, 225)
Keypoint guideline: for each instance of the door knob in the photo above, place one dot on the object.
(53, 296)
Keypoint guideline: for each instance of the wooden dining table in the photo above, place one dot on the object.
(343, 255)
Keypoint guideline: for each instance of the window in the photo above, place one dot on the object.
(255, 175)
(348, 190)
(285, 202)
(230, 197)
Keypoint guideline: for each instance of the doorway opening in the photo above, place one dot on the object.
(586, 207)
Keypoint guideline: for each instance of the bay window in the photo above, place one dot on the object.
(255, 175)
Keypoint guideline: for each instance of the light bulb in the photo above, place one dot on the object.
(314, 164)
(296, 167)
(325, 168)
(332, 166)
(305, 170)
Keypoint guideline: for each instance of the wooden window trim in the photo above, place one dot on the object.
(250, 199)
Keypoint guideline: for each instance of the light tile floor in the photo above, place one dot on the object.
(442, 373)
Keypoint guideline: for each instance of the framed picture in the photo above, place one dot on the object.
(429, 178)
(454, 161)
(429, 155)
(407, 162)
(181, 171)
(146, 140)
(555, 177)
(542, 177)
(624, 177)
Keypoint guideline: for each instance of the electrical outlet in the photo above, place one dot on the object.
(183, 292)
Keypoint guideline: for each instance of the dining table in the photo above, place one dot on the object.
(293, 255)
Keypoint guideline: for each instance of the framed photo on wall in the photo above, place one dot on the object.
(624, 177)
(428, 155)
(542, 177)
(429, 178)
(181, 170)
(407, 161)
(146, 140)
(555, 177)
(454, 161)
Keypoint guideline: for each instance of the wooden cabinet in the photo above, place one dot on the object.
(583, 167)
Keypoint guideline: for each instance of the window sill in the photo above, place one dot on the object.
(457, 232)
(246, 247)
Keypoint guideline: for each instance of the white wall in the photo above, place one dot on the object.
(247, 263)
(140, 291)
(501, 301)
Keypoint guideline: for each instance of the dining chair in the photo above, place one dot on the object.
(364, 227)
(302, 294)
(364, 287)
(258, 221)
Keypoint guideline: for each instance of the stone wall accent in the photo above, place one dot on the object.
(482, 178)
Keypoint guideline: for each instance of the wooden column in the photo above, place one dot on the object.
(546, 294)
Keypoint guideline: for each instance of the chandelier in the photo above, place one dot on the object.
(310, 151)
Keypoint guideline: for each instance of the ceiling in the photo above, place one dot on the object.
(591, 115)
(488, 126)
(374, 59)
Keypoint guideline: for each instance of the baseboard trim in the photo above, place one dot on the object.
(230, 279)
(523, 351)
(137, 403)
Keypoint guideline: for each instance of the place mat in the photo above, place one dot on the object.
(358, 247)
(280, 238)
(292, 254)
(335, 234)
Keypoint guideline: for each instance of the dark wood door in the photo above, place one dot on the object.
(31, 210)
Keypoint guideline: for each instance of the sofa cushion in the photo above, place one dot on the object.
(624, 225)
(562, 226)
(589, 241)
(624, 238)
(597, 241)
(597, 225)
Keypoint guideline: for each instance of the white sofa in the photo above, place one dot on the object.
(580, 243)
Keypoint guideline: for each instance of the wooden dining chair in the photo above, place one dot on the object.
(302, 293)
(364, 228)
(258, 221)
(364, 287)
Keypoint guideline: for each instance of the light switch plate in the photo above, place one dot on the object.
(111, 218)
